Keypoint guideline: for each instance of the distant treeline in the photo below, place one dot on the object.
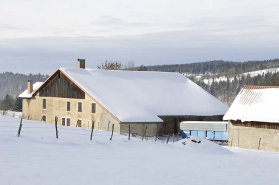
(15, 83)
(226, 91)
(218, 67)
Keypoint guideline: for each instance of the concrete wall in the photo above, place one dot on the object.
(33, 108)
(139, 128)
(248, 137)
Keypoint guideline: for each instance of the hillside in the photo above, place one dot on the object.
(15, 83)
(224, 79)
(37, 157)
(217, 68)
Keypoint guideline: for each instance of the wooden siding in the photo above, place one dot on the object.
(255, 124)
(61, 86)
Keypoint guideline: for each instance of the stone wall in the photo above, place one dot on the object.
(253, 138)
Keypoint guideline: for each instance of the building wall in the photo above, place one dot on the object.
(249, 137)
(139, 128)
(33, 109)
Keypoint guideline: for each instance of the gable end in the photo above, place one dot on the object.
(61, 86)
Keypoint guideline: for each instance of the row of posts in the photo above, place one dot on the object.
(92, 128)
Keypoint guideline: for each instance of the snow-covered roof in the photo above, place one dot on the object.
(35, 87)
(138, 96)
(255, 103)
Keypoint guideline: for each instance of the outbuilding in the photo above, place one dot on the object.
(254, 119)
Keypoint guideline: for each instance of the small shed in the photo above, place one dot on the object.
(212, 130)
(254, 118)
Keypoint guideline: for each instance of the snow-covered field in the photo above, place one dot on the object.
(37, 157)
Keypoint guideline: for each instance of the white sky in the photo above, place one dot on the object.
(147, 32)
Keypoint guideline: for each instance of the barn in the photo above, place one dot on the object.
(158, 100)
(253, 118)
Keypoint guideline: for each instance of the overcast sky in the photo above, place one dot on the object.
(42, 35)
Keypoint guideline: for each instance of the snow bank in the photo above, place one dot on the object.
(37, 157)
(199, 145)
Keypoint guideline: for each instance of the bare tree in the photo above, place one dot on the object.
(111, 66)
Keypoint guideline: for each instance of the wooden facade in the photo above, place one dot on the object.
(255, 124)
(60, 86)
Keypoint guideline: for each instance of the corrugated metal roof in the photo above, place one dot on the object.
(255, 103)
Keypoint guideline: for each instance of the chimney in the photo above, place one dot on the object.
(81, 63)
(29, 86)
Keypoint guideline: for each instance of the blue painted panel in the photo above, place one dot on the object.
(202, 134)
(210, 135)
(194, 133)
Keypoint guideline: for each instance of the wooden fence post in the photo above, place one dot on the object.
(56, 119)
(19, 129)
(157, 132)
(144, 133)
(173, 137)
(112, 132)
(177, 136)
(28, 117)
(168, 134)
(92, 130)
(129, 131)
(259, 143)
(108, 126)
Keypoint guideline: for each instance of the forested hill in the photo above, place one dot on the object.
(218, 67)
(224, 79)
(15, 83)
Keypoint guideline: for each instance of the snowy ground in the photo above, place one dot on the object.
(37, 157)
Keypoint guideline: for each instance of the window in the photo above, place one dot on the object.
(44, 103)
(63, 121)
(68, 106)
(79, 106)
(93, 107)
(44, 118)
(66, 121)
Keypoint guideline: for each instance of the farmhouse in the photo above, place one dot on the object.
(254, 119)
(158, 100)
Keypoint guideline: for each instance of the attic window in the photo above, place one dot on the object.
(59, 75)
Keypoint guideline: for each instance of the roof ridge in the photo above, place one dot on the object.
(258, 87)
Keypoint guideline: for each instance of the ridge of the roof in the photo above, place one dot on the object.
(258, 87)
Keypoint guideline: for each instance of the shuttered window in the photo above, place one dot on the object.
(63, 121)
(79, 106)
(44, 103)
(68, 122)
(68, 106)
(93, 107)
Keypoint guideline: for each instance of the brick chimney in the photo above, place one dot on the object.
(29, 86)
(81, 63)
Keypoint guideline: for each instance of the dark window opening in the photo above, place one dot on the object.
(68, 106)
(44, 103)
(93, 108)
(79, 106)
(68, 122)
(44, 118)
